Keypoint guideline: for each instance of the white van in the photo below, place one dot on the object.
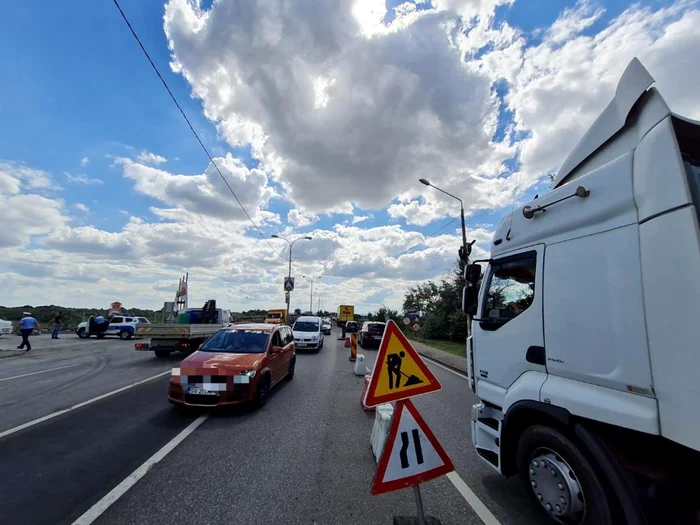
(308, 333)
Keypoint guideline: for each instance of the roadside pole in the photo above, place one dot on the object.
(419, 505)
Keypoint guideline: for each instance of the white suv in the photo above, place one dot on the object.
(308, 333)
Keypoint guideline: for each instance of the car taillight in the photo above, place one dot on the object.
(139, 346)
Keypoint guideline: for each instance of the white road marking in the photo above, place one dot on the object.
(39, 372)
(79, 405)
(117, 492)
(475, 503)
(468, 494)
(433, 362)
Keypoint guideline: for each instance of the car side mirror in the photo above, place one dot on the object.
(472, 273)
(277, 349)
(470, 299)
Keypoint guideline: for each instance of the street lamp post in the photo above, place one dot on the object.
(291, 243)
(311, 295)
(465, 249)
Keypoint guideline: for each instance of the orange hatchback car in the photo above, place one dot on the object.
(238, 363)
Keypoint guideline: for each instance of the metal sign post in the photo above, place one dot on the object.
(419, 505)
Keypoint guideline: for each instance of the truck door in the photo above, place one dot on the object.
(508, 329)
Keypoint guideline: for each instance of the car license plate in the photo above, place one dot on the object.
(200, 391)
(301, 345)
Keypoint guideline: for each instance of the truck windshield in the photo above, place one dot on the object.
(237, 342)
(305, 326)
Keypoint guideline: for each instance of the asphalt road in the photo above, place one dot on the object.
(303, 458)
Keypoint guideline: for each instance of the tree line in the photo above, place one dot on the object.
(440, 305)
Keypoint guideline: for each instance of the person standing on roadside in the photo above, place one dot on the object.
(57, 322)
(26, 325)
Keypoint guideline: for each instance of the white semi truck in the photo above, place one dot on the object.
(585, 343)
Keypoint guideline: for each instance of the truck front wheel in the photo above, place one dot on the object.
(162, 353)
(562, 479)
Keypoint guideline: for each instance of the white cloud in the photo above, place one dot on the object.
(301, 218)
(81, 207)
(25, 216)
(361, 218)
(206, 193)
(82, 179)
(17, 176)
(337, 116)
(560, 85)
(146, 157)
(84, 162)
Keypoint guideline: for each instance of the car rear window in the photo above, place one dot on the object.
(237, 342)
(376, 328)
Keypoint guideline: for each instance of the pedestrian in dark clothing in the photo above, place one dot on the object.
(26, 326)
(57, 322)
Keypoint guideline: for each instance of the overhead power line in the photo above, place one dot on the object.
(196, 135)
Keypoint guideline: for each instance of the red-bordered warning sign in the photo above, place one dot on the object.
(412, 454)
(399, 372)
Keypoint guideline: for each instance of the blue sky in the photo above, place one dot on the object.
(82, 109)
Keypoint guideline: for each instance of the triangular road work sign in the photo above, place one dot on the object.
(399, 372)
(412, 453)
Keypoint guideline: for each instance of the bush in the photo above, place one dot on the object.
(458, 325)
(434, 326)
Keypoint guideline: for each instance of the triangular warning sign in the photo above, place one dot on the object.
(399, 372)
(412, 453)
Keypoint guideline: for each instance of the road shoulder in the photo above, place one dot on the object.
(455, 362)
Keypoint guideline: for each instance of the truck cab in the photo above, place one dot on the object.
(581, 356)
(276, 316)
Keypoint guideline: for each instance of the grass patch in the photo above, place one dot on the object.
(452, 347)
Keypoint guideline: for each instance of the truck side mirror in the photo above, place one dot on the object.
(472, 273)
(470, 297)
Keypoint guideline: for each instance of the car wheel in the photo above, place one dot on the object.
(162, 353)
(124, 335)
(82, 333)
(292, 366)
(562, 480)
(262, 392)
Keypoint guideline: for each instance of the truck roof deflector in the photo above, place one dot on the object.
(634, 82)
